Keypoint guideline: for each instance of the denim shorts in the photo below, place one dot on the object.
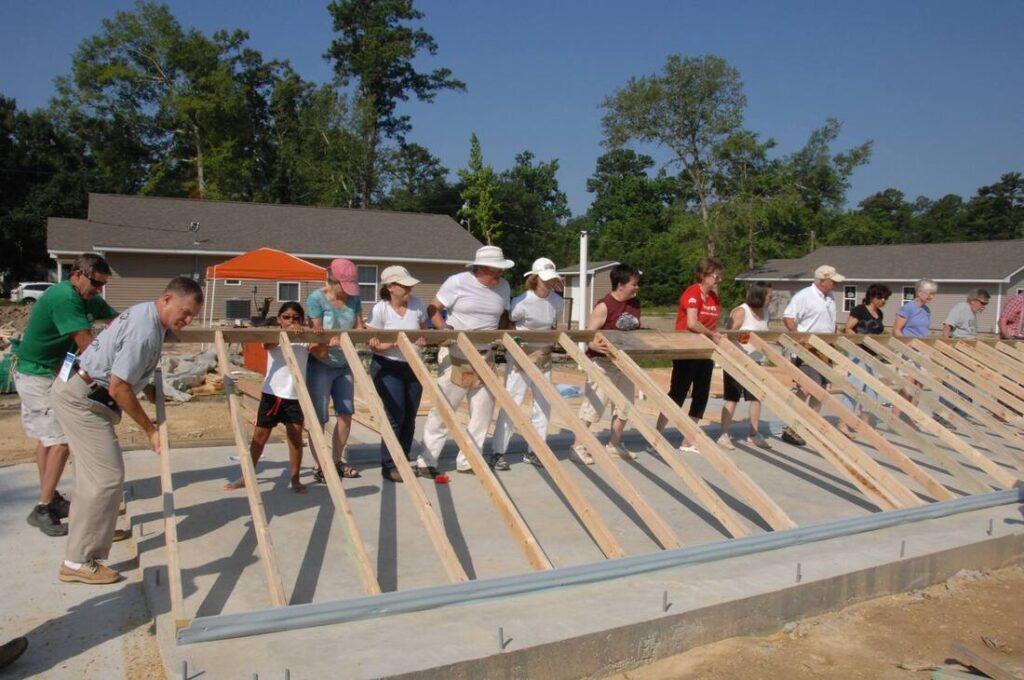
(327, 383)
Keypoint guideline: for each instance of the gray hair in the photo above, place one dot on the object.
(90, 263)
(923, 284)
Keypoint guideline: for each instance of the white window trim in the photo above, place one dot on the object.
(849, 299)
(298, 294)
(232, 282)
(376, 290)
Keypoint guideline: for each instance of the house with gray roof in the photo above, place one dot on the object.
(997, 266)
(149, 240)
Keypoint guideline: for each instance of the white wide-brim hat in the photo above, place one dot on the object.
(491, 256)
(543, 268)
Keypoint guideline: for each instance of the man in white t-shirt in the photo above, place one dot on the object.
(477, 300)
(812, 310)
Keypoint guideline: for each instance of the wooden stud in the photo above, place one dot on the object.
(838, 379)
(934, 380)
(922, 420)
(985, 377)
(932, 400)
(662, 531)
(926, 361)
(701, 489)
(259, 518)
(879, 486)
(988, 665)
(431, 522)
(870, 435)
(322, 450)
(170, 520)
(1012, 351)
(495, 491)
(753, 494)
(1006, 365)
(975, 386)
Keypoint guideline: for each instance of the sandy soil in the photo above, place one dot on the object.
(896, 637)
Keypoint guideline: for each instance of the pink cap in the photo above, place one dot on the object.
(347, 275)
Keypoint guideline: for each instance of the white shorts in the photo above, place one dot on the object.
(37, 417)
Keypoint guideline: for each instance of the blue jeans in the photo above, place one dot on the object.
(400, 391)
(856, 383)
(328, 383)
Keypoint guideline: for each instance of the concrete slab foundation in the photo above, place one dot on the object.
(582, 631)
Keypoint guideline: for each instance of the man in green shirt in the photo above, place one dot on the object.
(61, 322)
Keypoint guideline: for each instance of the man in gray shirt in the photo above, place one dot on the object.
(962, 320)
(89, 398)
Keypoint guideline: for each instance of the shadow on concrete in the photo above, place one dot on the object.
(624, 507)
(452, 528)
(387, 537)
(65, 637)
(682, 499)
(313, 559)
(793, 467)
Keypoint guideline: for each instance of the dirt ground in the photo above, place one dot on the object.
(897, 637)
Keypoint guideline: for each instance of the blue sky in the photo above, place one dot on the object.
(937, 85)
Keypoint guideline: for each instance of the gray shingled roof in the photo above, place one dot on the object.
(591, 267)
(982, 261)
(162, 224)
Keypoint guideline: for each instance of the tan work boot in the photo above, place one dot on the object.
(90, 572)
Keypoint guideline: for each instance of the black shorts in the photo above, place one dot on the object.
(733, 390)
(810, 372)
(275, 410)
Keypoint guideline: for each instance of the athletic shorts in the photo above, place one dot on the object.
(732, 390)
(275, 410)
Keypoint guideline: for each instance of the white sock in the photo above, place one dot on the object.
(72, 565)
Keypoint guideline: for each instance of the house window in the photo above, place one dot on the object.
(287, 291)
(849, 297)
(368, 282)
(909, 293)
(232, 282)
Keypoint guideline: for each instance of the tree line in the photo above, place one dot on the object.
(154, 108)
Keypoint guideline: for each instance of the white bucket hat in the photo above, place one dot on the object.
(397, 274)
(544, 268)
(491, 256)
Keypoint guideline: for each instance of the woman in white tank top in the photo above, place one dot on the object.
(752, 315)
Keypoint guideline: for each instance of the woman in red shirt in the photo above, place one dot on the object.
(699, 308)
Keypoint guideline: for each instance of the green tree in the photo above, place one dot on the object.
(481, 210)
(189, 103)
(690, 109)
(417, 182)
(997, 210)
(374, 51)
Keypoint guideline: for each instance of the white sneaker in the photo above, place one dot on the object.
(620, 451)
(725, 441)
(689, 449)
(579, 454)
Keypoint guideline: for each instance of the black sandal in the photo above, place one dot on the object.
(427, 472)
(318, 475)
(346, 471)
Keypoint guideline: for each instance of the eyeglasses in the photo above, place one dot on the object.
(96, 283)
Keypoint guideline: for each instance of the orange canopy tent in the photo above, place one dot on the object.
(263, 264)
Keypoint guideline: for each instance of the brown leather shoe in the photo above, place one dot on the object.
(392, 475)
(91, 572)
(122, 535)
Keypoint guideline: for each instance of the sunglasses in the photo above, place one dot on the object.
(96, 283)
(291, 317)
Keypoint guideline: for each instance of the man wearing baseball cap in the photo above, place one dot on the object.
(812, 310)
(477, 300)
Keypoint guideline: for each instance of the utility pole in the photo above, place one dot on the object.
(582, 308)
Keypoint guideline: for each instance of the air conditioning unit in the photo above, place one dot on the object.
(237, 308)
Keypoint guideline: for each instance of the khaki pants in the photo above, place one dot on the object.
(595, 400)
(99, 469)
(481, 407)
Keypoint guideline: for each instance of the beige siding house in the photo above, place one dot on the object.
(148, 240)
(997, 266)
(598, 285)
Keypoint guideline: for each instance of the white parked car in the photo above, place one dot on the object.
(30, 291)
